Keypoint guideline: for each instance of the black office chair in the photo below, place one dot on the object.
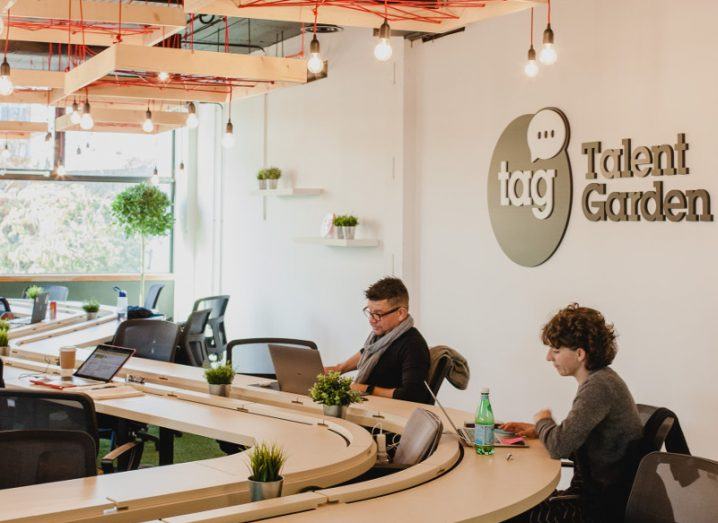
(4, 305)
(251, 356)
(151, 339)
(57, 293)
(217, 343)
(30, 410)
(440, 367)
(31, 457)
(192, 343)
(153, 295)
(674, 487)
(2, 380)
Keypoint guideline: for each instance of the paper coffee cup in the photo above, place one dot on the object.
(67, 361)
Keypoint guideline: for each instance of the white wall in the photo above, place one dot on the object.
(344, 135)
(636, 69)
(639, 69)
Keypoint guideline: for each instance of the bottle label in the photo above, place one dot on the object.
(484, 435)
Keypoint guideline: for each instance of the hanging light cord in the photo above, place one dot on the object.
(531, 36)
(549, 11)
(316, 13)
(7, 33)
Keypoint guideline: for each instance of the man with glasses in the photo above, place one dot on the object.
(394, 361)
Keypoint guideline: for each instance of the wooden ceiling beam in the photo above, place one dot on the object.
(23, 127)
(118, 120)
(27, 97)
(337, 15)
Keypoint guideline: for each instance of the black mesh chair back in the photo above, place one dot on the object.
(57, 293)
(654, 435)
(151, 339)
(2, 380)
(30, 457)
(671, 488)
(47, 410)
(250, 356)
(192, 341)
(153, 295)
(217, 343)
(4, 305)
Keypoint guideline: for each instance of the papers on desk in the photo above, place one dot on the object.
(101, 391)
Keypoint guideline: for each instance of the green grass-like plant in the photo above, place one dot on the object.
(4, 325)
(32, 292)
(221, 375)
(3, 338)
(351, 221)
(262, 174)
(339, 221)
(332, 389)
(266, 462)
(273, 173)
(91, 305)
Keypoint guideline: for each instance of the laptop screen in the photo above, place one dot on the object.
(104, 362)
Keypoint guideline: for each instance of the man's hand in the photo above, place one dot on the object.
(527, 430)
(542, 414)
(333, 368)
(361, 387)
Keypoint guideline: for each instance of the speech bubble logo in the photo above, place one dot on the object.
(547, 134)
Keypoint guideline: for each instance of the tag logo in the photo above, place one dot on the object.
(529, 186)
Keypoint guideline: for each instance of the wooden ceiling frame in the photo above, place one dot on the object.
(165, 21)
(183, 62)
(10, 130)
(124, 121)
(343, 16)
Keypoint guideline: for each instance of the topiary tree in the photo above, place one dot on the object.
(143, 210)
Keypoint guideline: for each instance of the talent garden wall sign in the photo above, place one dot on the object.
(529, 186)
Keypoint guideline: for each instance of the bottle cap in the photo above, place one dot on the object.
(123, 294)
(485, 390)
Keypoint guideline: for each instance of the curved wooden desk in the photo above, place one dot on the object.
(448, 486)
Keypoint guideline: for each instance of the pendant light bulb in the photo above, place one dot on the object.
(48, 136)
(86, 121)
(163, 76)
(531, 68)
(148, 125)
(192, 120)
(383, 50)
(155, 179)
(5, 152)
(181, 169)
(228, 138)
(315, 64)
(75, 114)
(6, 86)
(548, 55)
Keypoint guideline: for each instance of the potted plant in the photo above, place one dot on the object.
(32, 292)
(4, 343)
(334, 392)
(349, 226)
(143, 210)
(220, 379)
(265, 464)
(273, 175)
(262, 178)
(339, 226)
(91, 307)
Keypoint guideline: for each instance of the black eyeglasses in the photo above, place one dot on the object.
(376, 316)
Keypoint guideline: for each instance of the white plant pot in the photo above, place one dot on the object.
(91, 315)
(340, 232)
(262, 184)
(335, 411)
(272, 184)
(349, 232)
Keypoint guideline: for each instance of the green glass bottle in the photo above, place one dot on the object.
(484, 425)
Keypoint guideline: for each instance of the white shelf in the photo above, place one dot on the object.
(287, 191)
(336, 242)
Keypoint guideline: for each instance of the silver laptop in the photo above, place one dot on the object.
(102, 365)
(296, 368)
(39, 311)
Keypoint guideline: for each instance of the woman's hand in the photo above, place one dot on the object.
(526, 430)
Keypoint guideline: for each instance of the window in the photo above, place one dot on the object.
(65, 226)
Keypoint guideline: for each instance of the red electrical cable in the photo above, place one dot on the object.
(119, 22)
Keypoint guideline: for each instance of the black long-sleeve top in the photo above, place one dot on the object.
(403, 367)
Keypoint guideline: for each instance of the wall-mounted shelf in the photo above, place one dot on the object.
(287, 191)
(336, 242)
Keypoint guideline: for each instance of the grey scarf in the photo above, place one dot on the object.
(375, 346)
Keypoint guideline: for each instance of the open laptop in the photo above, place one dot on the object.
(39, 311)
(466, 437)
(100, 367)
(296, 368)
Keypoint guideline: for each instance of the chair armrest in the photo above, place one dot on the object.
(565, 497)
(131, 449)
(567, 463)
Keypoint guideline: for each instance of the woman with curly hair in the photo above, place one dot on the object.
(602, 431)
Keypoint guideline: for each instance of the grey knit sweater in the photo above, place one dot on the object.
(603, 423)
